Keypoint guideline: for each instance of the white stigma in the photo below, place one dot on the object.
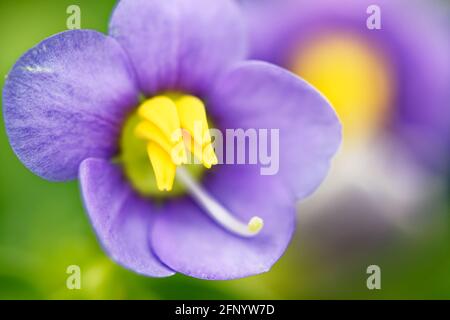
(216, 211)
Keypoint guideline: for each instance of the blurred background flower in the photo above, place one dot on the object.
(390, 87)
(385, 202)
(393, 80)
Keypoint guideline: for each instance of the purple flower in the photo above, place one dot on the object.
(406, 92)
(69, 100)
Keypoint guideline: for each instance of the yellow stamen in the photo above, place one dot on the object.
(148, 131)
(209, 156)
(191, 111)
(162, 112)
(171, 126)
(164, 168)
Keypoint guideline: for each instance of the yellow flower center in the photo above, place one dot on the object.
(170, 126)
(354, 75)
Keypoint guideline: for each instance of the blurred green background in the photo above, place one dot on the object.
(44, 229)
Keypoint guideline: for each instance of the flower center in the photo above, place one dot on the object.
(170, 126)
(354, 75)
(166, 146)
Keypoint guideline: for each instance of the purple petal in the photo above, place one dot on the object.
(179, 44)
(262, 96)
(188, 241)
(120, 218)
(64, 101)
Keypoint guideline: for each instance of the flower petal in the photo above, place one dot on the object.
(262, 96)
(64, 101)
(179, 44)
(120, 218)
(190, 242)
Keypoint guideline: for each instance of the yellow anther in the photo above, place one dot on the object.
(192, 114)
(171, 127)
(209, 157)
(162, 112)
(162, 165)
(178, 153)
(205, 155)
(148, 131)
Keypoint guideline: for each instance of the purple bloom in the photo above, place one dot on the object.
(413, 41)
(66, 102)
